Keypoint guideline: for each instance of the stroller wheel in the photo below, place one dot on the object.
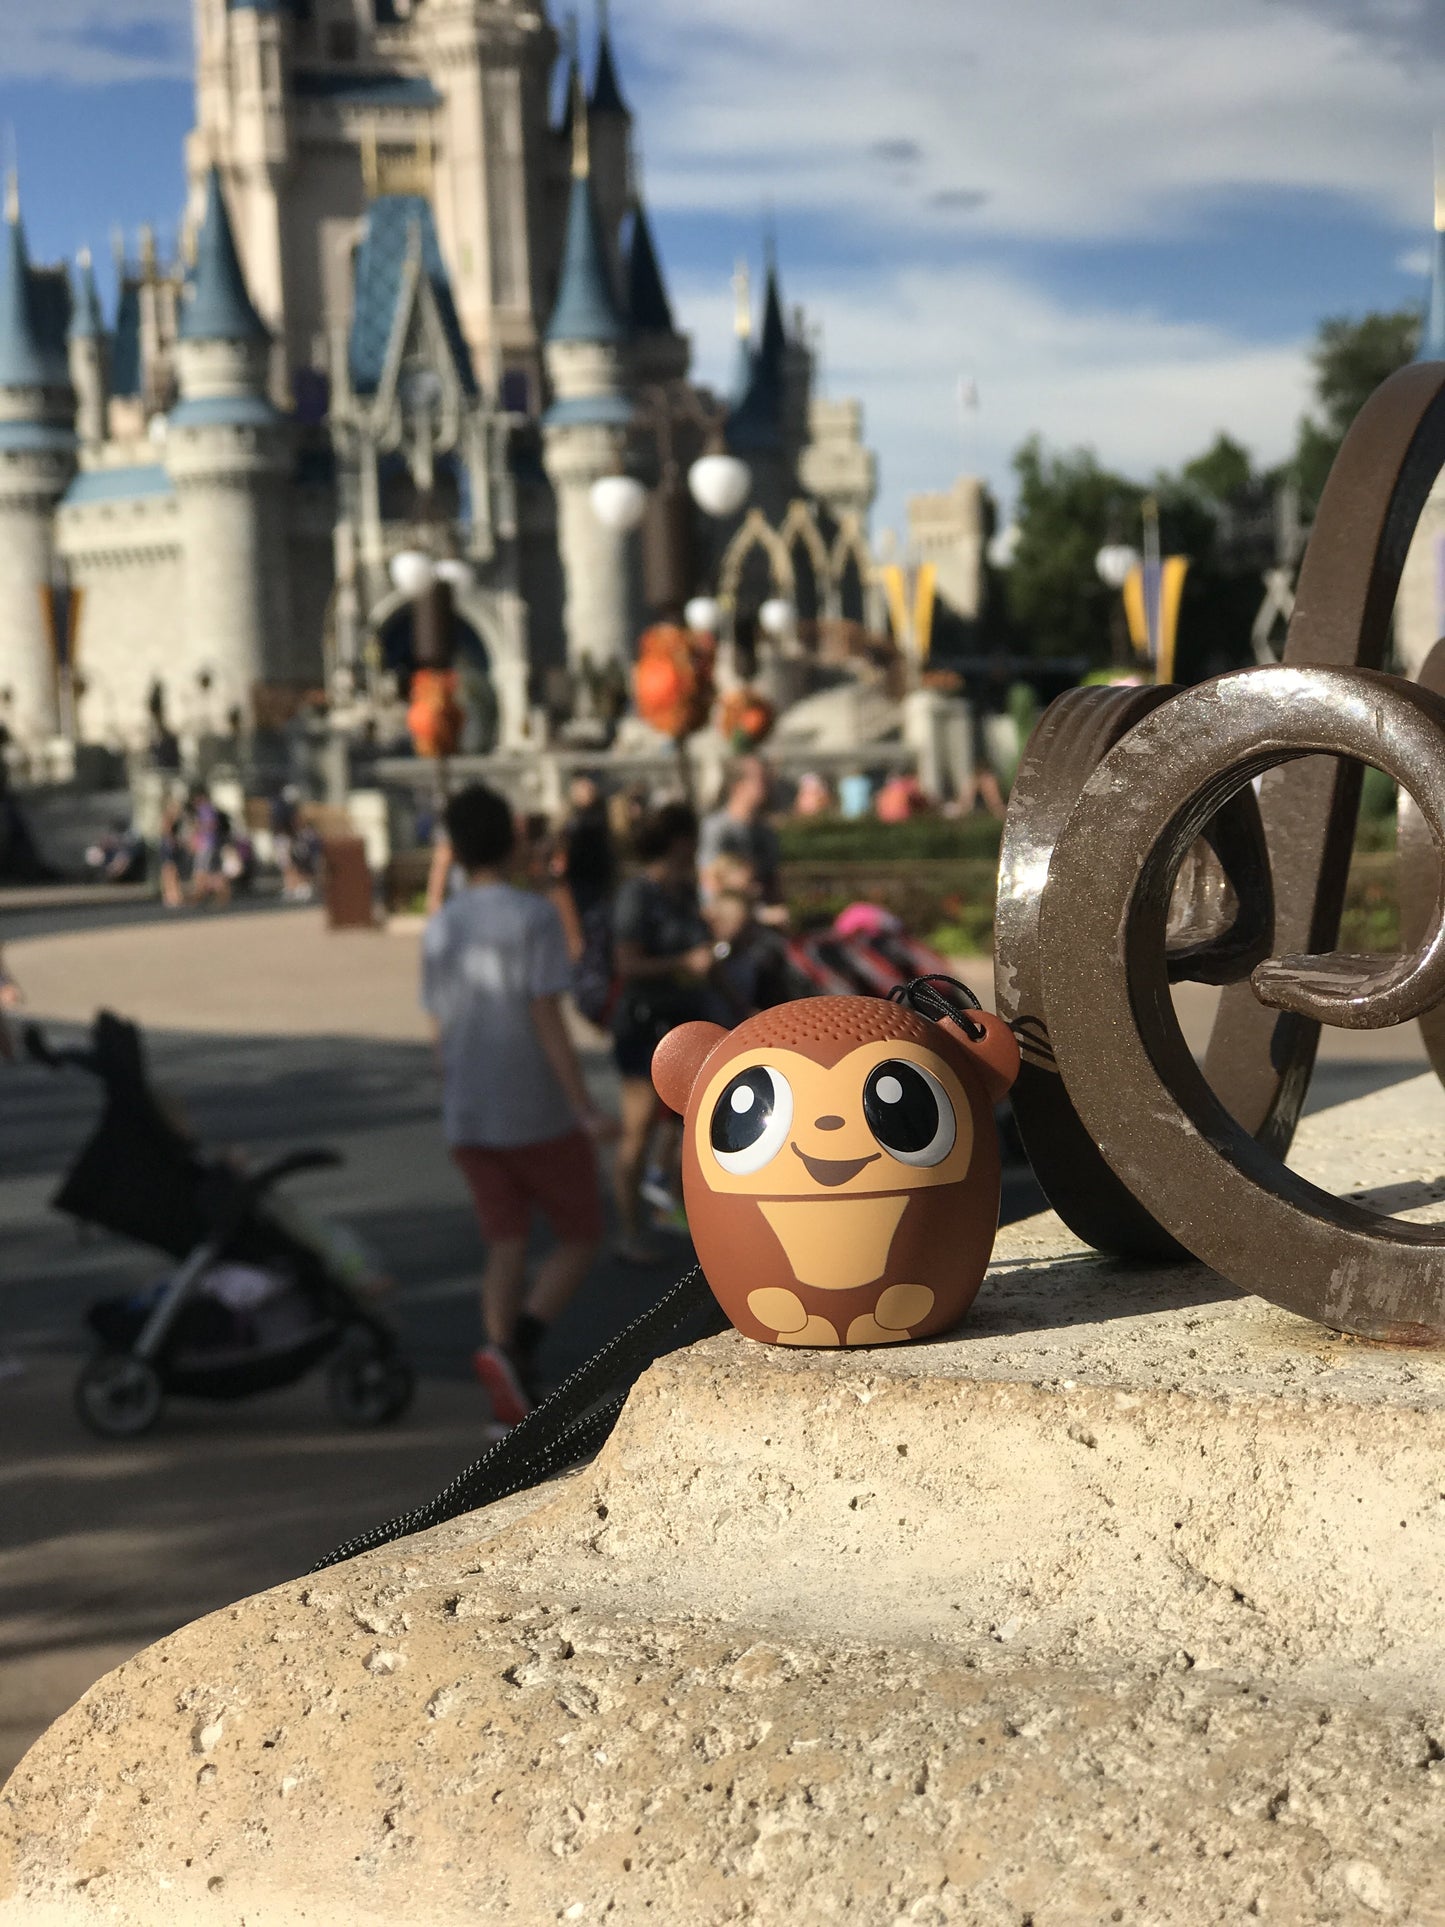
(368, 1384)
(118, 1396)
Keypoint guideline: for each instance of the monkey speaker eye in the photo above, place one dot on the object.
(909, 1113)
(751, 1119)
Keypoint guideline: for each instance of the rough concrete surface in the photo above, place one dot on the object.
(1124, 1604)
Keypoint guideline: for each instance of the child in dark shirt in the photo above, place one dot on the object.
(751, 967)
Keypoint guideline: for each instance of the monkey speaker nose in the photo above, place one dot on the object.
(828, 1123)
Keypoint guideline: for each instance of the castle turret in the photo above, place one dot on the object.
(756, 426)
(659, 352)
(611, 146)
(89, 349)
(228, 453)
(585, 431)
(37, 455)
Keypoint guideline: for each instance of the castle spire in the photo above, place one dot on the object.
(756, 423)
(26, 360)
(606, 94)
(86, 322)
(219, 307)
(648, 307)
(586, 307)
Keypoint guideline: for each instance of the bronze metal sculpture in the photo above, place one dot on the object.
(1141, 1152)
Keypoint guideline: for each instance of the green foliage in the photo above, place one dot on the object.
(1222, 473)
(1352, 357)
(837, 839)
(1068, 508)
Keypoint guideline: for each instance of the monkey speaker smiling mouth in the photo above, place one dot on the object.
(831, 1171)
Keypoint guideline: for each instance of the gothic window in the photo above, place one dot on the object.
(515, 393)
(341, 40)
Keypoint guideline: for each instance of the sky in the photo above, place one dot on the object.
(1118, 221)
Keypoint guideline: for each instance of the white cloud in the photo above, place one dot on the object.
(1415, 261)
(97, 42)
(1143, 392)
(1071, 117)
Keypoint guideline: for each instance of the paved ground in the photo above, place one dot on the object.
(275, 1034)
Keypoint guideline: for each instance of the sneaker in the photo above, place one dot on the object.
(497, 1376)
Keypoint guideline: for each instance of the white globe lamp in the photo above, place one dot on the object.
(619, 502)
(412, 572)
(775, 618)
(1004, 547)
(720, 484)
(457, 575)
(704, 614)
(1116, 562)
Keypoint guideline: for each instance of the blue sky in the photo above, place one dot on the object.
(1121, 219)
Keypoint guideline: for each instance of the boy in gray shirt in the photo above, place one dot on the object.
(515, 1109)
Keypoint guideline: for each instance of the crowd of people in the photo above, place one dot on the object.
(657, 920)
(204, 857)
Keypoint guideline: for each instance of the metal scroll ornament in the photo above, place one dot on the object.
(1136, 855)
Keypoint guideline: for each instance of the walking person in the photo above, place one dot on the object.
(740, 828)
(517, 1114)
(662, 953)
(171, 852)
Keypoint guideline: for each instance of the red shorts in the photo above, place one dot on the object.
(557, 1178)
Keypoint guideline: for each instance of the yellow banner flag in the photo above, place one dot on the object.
(1134, 611)
(1172, 572)
(891, 576)
(925, 599)
(1171, 591)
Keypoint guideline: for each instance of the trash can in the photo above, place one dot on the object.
(347, 884)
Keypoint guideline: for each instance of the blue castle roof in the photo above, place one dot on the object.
(125, 354)
(606, 94)
(648, 308)
(218, 306)
(586, 307)
(86, 321)
(118, 485)
(32, 319)
(380, 260)
(756, 423)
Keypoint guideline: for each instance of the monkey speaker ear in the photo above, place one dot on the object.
(995, 1055)
(678, 1059)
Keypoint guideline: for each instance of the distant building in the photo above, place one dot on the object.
(951, 530)
(414, 308)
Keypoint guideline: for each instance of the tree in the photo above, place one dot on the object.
(1068, 508)
(1223, 474)
(1351, 358)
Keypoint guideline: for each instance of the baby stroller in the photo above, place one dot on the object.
(865, 953)
(142, 1176)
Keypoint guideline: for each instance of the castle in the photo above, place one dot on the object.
(417, 306)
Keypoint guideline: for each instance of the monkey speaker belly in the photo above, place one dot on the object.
(837, 1257)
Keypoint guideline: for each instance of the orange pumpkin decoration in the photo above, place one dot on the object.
(745, 718)
(434, 716)
(672, 679)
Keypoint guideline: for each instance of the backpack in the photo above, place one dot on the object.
(594, 976)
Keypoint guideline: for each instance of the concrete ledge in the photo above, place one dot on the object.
(1124, 1604)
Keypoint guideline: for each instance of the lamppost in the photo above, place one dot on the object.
(719, 483)
(434, 715)
(1115, 564)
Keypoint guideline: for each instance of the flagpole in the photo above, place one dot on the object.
(1153, 582)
